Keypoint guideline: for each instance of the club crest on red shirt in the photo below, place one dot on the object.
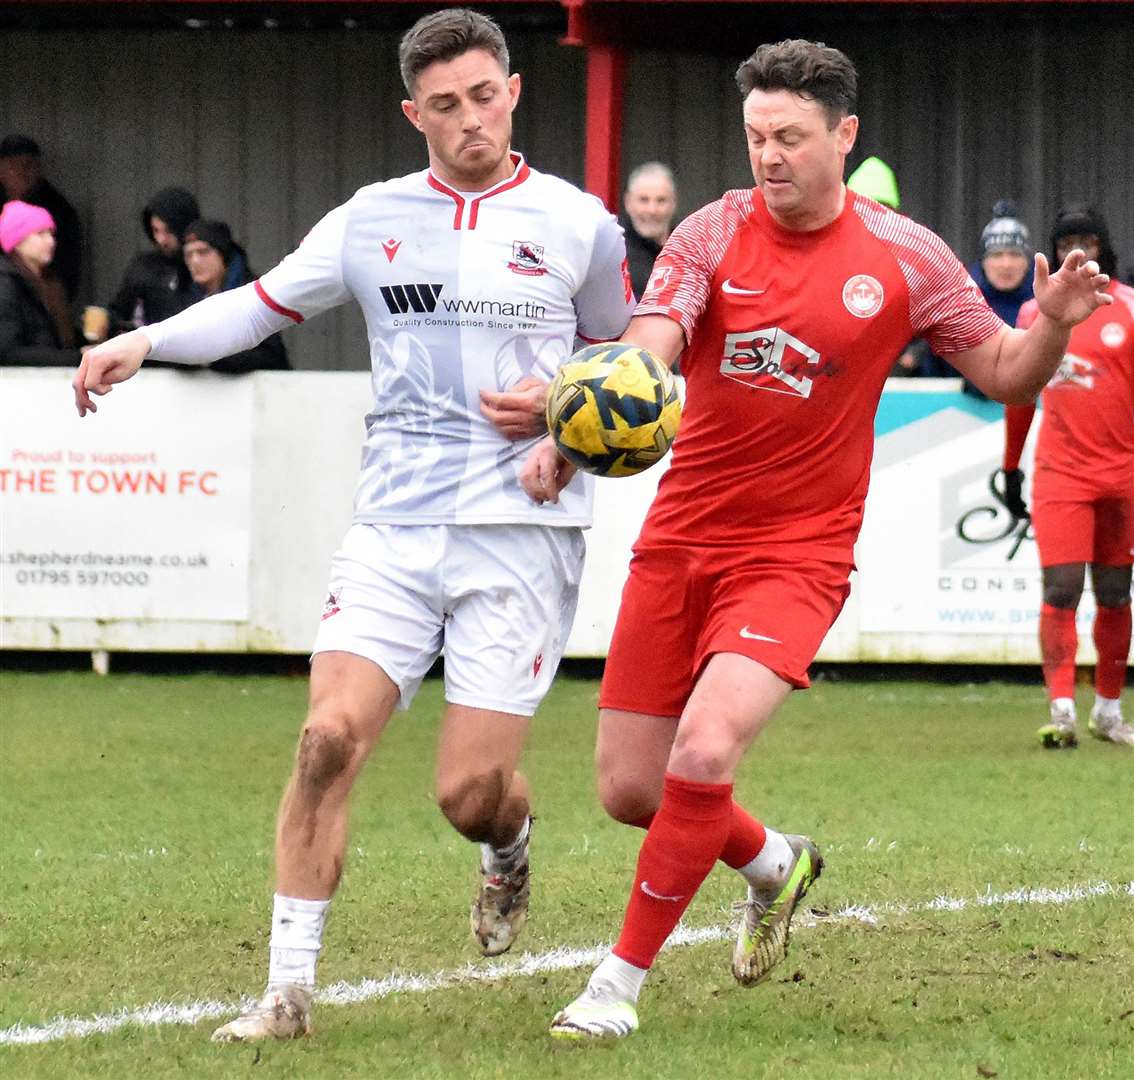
(863, 296)
(1112, 335)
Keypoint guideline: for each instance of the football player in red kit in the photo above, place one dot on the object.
(788, 303)
(1083, 492)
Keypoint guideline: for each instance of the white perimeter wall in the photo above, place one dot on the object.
(922, 594)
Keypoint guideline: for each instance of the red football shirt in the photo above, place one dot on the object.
(790, 338)
(1086, 441)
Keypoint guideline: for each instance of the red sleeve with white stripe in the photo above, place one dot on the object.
(946, 307)
(605, 300)
(681, 282)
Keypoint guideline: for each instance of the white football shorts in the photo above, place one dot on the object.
(498, 599)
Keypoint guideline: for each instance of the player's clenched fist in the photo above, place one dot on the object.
(545, 473)
(111, 362)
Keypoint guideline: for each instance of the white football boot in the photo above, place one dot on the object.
(284, 1012)
(1110, 727)
(1061, 731)
(599, 1012)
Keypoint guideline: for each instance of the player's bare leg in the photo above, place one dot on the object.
(1112, 643)
(487, 801)
(733, 700)
(351, 700)
(1059, 642)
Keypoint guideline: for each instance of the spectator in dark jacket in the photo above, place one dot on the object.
(156, 284)
(35, 326)
(216, 264)
(650, 202)
(21, 178)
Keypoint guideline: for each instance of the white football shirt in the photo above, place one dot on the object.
(460, 292)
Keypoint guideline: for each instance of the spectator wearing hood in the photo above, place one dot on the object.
(876, 180)
(216, 263)
(35, 324)
(22, 180)
(156, 284)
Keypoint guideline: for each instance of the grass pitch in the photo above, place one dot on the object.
(136, 817)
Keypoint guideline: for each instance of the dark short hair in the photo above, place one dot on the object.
(18, 145)
(445, 35)
(808, 68)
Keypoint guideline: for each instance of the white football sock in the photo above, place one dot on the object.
(622, 977)
(501, 860)
(771, 865)
(1063, 704)
(1106, 706)
(297, 937)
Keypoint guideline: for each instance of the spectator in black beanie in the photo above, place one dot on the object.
(1082, 221)
(156, 284)
(217, 263)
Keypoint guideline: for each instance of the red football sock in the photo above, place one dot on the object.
(746, 838)
(685, 838)
(1112, 642)
(1059, 642)
(745, 841)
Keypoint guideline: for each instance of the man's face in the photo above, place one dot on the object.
(1086, 242)
(1005, 270)
(37, 249)
(650, 204)
(463, 107)
(797, 159)
(206, 266)
(165, 238)
(19, 174)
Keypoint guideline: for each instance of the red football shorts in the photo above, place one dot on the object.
(1084, 530)
(680, 606)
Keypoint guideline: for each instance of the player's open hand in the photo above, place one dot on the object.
(545, 473)
(113, 361)
(1068, 296)
(518, 413)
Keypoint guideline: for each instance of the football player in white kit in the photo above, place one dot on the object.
(476, 276)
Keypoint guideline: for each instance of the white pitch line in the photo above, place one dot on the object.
(558, 959)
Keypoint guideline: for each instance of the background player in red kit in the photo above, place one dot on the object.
(788, 304)
(1083, 491)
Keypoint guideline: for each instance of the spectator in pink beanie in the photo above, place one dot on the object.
(35, 325)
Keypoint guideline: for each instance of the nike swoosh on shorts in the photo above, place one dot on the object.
(746, 633)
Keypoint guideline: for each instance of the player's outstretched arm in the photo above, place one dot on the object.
(113, 361)
(1013, 366)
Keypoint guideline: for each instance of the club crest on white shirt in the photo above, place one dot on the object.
(863, 296)
(527, 258)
